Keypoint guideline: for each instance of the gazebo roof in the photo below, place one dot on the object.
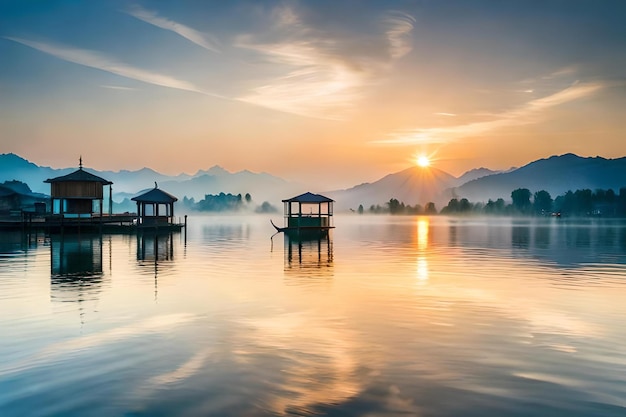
(309, 198)
(155, 195)
(79, 175)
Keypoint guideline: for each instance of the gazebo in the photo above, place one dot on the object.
(79, 194)
(155, 207)
(309, 211)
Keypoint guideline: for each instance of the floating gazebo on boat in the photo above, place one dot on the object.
(155, 208)
(307, 213)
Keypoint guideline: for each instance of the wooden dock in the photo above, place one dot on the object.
(114, 223)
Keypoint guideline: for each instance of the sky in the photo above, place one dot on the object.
(330, 93)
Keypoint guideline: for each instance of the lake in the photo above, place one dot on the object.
(389, 316)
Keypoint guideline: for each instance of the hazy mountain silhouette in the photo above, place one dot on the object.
(18, 195)
(127, 184)
(261, 186)
(14, 167)
(215, 170)
(556, 174)
(474, 174)
(415, 185)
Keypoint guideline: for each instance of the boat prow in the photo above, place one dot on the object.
(278, 229)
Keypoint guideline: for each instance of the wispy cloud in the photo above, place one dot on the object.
(530, 112)
(399, 28)
(118, 87)
(204, 40)
(195, 364)
(324, 72)
(445, 114)
(102, 62)
(157, 324)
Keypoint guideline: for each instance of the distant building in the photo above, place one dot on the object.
(79, 194)
(155, 207)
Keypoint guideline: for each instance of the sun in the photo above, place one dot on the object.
(423, 161)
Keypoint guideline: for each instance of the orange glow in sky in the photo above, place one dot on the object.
(303, 92)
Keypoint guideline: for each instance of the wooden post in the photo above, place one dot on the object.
(185, 230)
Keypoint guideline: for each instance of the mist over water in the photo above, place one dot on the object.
(391, 315)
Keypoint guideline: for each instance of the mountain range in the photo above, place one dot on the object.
(415, 185)
(127, 184)
(556, 174)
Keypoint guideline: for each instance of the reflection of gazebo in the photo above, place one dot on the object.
(78, 194)
(155, 207)
(308, 254)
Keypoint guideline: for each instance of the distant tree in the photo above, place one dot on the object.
(500, 205)
(564, 204)
(430, 208)
(521, 199)
(542, 203)
(583, 202)
(489, 207)
(465, 206)
(189, 202)
(220, 202)
(266, 208)
(610, 196)
(360, 209)
(604, 202)
(453, 206)
(621, 202)
(248, 198)
(394, 206)
(416, 209)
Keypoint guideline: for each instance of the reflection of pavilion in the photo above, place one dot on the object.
(155, 247)
(76, 255)
(75, 267)
(12, 241)
(309, 255)
(155, 250)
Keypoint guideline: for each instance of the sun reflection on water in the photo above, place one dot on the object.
(422, 245)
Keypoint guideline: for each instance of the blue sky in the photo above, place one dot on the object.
(327, 91)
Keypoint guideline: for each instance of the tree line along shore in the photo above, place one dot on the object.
(579, 203)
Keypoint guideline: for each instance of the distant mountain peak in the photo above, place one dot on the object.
(555, 174)
(413, 185)
(474, 174)
(11, 158)
(215, 170)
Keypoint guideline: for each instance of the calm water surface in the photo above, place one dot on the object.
(390, 316)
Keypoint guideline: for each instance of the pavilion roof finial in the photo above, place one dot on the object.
(80, 162)
(155, 185)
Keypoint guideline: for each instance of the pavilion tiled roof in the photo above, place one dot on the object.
(309, 198)
(79, 175)
(155, 195)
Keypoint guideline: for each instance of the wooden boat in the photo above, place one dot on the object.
(278, 229)
(307, 214)
(301, 228)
